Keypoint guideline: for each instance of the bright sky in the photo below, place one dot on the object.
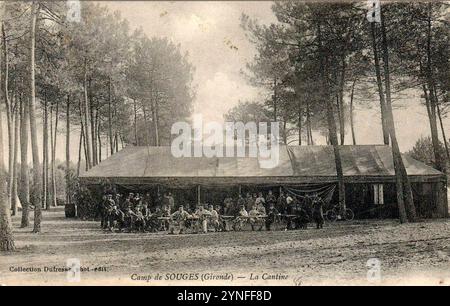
(207, 30)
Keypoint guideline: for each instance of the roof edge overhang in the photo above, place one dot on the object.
(273, 180)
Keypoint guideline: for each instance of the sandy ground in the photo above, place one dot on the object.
(337, 255)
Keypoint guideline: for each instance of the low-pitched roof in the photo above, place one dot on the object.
(297, 164)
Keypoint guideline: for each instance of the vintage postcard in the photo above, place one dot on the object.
(224, 143)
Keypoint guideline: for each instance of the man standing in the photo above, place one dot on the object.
(270, 199)
(139, 221)
(289, 205)
(318, 213)
(240, 203)
(227, 203)
(260, 200)
(250, 202)
(272, 213)
(281, 203)
(169, 201)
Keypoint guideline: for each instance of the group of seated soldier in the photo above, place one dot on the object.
(140, 213)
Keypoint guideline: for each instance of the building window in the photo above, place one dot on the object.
(378, 195)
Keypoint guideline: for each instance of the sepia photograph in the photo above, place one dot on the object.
(224, 143)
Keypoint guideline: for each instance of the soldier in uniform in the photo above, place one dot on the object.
(165, 212)
(203, 215)
(270, 199)
(139, 221)
(115, 217)
(289, 205)
(249, 202)
(260, 199)
(154, 222)
(318, 213)
(255, 217)
(127, 205)
(261, 209)
(129, 219)
(272, 213)
(241, 218)
(118, 200)
(214, 219)
(137, 201)
(168, 201)
(227, 204)
(179, 219)
(239, 203)
(281, 203)
(108, 205)
(302, 218)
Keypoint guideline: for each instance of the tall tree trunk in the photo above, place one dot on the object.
(116, 141)
(6, 233)
(36, 198)
(308, 123)
(86, 118)
(324, 72)
(9, 114)
(341, 102)
(407, 209)
(110, 116)
(146, 124)
(135, 123)
(443, 132)
(24, 191)
(15, 169)
(433, 101)
(352, 125)
(275, 99)
(96, 134)
(92, 116)
(79, 151)
(379, 84)
(54, 139)
(299, 126)
(50, 194)
(68, 199)
(155, 118)
(99, 142)
(431, 112)
(45, 156)
(83, 132)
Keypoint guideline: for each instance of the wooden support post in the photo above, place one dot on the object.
(198, 194)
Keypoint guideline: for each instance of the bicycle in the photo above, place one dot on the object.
(335, 214)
